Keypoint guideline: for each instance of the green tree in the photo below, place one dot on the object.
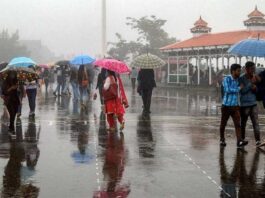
(10, 46)
(151, 37)
(122, 49)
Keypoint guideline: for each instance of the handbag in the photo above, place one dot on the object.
(84, 83)
(111, 93)
(85, 80)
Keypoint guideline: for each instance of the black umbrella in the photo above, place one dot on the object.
(3, 65)
(62, 62)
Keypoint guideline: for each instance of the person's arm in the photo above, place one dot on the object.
(246, 88)
(98, 81)
(107, 83)
(227, 87)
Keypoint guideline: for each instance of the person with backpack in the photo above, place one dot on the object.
(248, 101)
(230, 105)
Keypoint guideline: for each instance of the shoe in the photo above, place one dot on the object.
(31, 115)
(242, 143)
(122, 126)
(54, 93)
(222, 143)
(258, 143)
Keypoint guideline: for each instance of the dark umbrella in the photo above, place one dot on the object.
(3, 65)
(62, 62)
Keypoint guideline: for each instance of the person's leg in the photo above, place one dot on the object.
(121, 121)
(224, 118)
(19, 109)
(101, 96)
(12, 115)
(56, 89)
(31, 93)
(34, 95)
(255, 122)
(144, 98)
(120, 118)
(244, 113)
(74, 88)
(46, 81)
(111, 121)
(235, 114)
(148, 100)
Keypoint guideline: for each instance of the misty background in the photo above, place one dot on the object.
(70, 27)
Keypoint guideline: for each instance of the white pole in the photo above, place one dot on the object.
(178, 69)
(188, 70)
(210, 70)
(104, 29)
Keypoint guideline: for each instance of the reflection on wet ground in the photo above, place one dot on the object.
(67, 152)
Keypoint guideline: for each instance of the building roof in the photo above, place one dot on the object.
(200, 22)
(216, 39)
(256, 13)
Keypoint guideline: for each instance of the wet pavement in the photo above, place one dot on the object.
(65, 152)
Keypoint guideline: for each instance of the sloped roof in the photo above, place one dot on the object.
(256, 13)
(216, 39)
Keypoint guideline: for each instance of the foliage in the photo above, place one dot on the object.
(151, 37)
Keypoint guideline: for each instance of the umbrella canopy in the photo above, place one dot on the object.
(21, 62)
(148, 61)
(82, 60)
(44, 66)
(23, 73)
(62, 62)
(249, 47)
(3, 65)
(113, 65)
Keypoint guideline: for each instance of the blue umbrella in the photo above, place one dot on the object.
(21, 62)
(82, 60)
(249, 47)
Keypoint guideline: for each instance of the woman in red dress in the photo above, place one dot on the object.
(114, 107)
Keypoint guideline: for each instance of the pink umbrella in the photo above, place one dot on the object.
(113, 65)
(44, 66)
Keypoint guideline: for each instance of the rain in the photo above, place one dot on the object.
(149, 99)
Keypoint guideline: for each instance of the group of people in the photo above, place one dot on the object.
(239, 100)
(13, 91)
(80, 79)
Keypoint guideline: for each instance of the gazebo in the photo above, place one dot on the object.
(210, 49)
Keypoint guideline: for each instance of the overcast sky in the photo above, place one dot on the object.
(74, 26)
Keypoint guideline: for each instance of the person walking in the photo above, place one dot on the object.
(66, 80)
(115, 100)
(230, 105)
(21, 95)
(100, 83)
(146, 83)
(74, 84)
(59, 73)
(248, 101)
(133, 76)
(46, 79)
(31, 91)
(11, 98)
(83, 82)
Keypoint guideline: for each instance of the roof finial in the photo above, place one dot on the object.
(256, 7)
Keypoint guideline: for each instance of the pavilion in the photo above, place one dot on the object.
(209, 48)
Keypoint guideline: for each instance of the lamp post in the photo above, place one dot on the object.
(104, 29)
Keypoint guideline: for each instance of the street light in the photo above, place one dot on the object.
(104, 30)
